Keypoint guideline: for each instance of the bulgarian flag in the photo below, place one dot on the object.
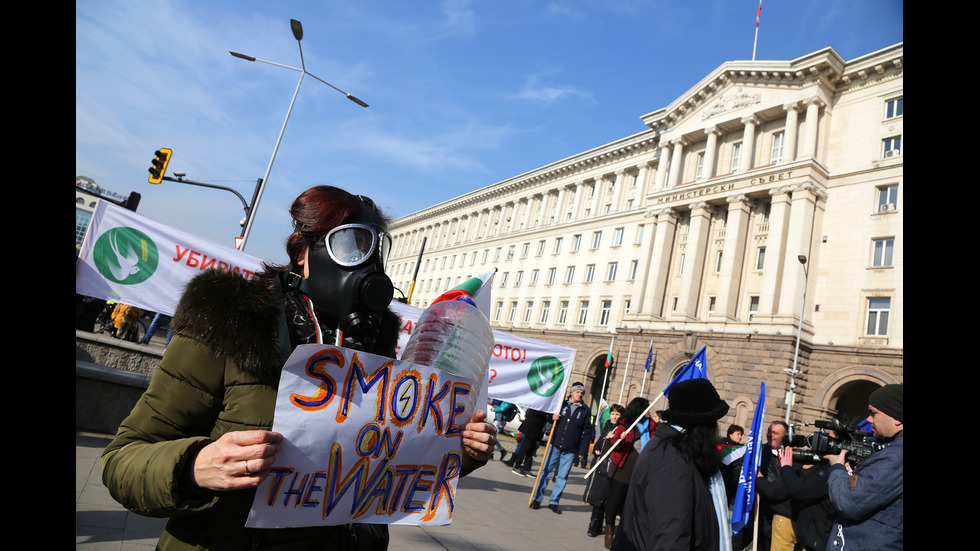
(471, 289)
(731, 453)
(609, 354)
(758, 14)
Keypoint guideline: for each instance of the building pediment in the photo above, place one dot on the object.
(742, 88)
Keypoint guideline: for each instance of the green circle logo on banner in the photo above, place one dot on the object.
(125, 256)
(546, 375)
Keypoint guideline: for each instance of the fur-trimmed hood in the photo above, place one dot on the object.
(233, 316)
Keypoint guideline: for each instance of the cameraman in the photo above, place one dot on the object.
(869, 501)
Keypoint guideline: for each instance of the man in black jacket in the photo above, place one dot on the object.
(570, 442)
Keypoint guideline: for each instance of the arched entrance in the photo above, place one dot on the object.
(599, 374)
(851, 401)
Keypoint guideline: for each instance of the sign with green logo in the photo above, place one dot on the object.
(125, 256)
(546, 376)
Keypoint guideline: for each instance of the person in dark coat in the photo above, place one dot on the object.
(597, 488)
(623, 460)
(531, 428)
(570, 441)
(669, 506)
(813, 513)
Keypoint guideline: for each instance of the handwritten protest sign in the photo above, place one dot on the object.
(366, 439)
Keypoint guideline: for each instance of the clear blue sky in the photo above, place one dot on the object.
(462, 93)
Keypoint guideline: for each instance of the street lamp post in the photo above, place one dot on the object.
(790, 395)
(297, 29)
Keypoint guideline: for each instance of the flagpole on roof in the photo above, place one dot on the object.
(758, 15)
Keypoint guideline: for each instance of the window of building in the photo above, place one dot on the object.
(486, 255)
(596, 239)
(545, 310)
(604, 312)
(639, 235)
(680, 266)
(618, 237)
(500, 307)
(496, 254)
(766, 211)
(699, 166)
(503, 279)
(887, 197)
(541, 247)
(558, 242)
(534, 278)
(519, 278)
(527, 311)
(626, 306)
(583, 312)
(576, 242)
(893, 108)
(736, 156)
(525, 249)
(760, 258)
(891, 147)
(462, 259)
(878, 310)
(569, 274)
(718, 262)
(562, 312)
(776, 153)
(589, 273)
(881, 251)
(611, 271)
(753, 307)
(711, 306)
(551, 275)
(634, 265)
(513, 311)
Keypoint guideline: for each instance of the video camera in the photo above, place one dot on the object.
(811, 449)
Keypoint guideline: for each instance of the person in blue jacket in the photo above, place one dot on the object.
(869, 501)
(570, 442)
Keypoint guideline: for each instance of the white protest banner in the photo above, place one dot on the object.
(366, 439)
(132, 259)
(526, 372)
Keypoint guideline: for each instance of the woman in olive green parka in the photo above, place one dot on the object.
(198, 442)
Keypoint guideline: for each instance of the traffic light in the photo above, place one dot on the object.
(159, 165)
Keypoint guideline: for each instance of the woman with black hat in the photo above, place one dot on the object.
(669, 505)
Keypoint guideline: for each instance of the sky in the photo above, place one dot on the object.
(462, 94)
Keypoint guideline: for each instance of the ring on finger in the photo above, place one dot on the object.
(247, 472)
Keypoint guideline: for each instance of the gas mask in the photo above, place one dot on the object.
(347, 282)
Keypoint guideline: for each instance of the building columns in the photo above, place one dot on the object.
(739, 214)
(694, 254)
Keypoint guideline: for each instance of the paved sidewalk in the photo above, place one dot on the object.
(491, 513)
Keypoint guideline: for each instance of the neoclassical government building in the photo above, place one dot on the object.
(763, 204)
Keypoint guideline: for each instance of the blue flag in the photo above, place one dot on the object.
(649, 358)
(697, 368)
(745, 493)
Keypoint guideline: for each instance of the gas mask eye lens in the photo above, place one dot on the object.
(351, 244)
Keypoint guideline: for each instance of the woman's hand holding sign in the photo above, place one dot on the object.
(479, 437)
(237, 460)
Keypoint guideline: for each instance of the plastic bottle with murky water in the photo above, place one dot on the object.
(454, 336)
